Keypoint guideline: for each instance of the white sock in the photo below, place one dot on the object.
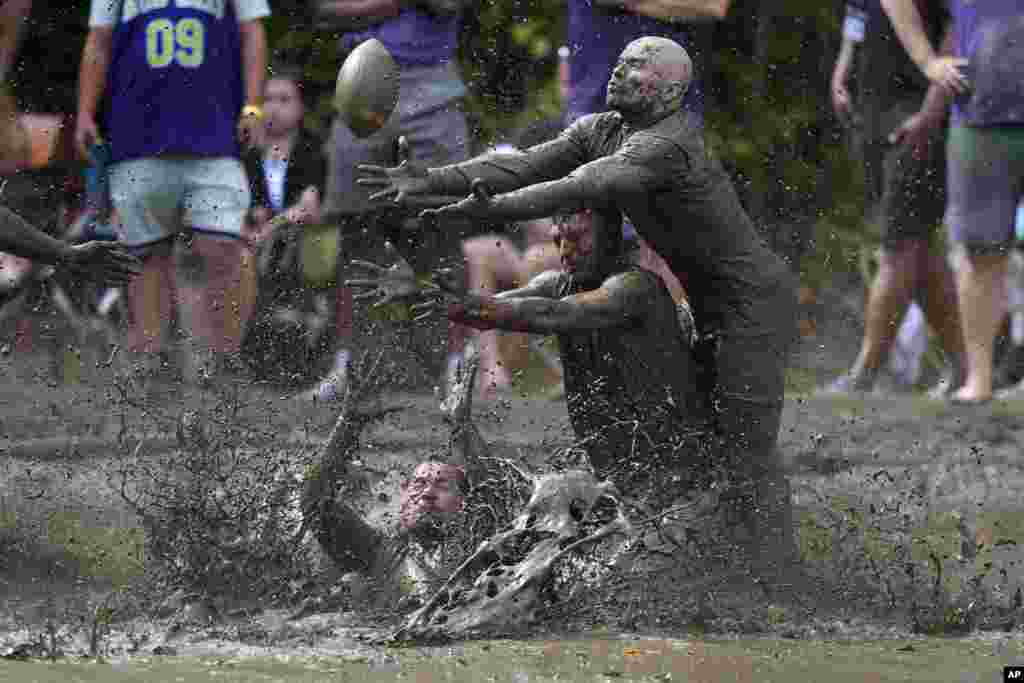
(341, 359)
(454, 361)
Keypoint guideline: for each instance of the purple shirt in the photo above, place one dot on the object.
(414, 38)
(597, 37)
(990, 35)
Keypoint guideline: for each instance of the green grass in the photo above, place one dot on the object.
(763, 661)
(112, 554)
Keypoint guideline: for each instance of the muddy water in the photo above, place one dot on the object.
(55, 442)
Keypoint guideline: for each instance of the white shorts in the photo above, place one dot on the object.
(156, 198)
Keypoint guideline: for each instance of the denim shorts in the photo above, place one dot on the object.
(156, 198)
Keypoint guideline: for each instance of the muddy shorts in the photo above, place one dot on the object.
(986, 183)
(908, 194)
(157, 198)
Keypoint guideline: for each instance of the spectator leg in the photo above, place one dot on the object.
(981, 281)
(151, 300)
(888, 299)
(215, 301)
(938, 299)
(492, 264)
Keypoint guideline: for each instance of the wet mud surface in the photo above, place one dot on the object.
(956, 472)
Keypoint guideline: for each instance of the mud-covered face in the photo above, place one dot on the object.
(577, 241)
(283, 107)
(635, 83)
(432, 494)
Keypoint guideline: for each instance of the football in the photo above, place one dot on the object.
(367, 88)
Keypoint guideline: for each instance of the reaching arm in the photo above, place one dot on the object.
(942, 71)
(92, 81)
(13, 14)
(621, 298)
(358, 13)
(254, 60)
(21, 239)
(506, 172)
(598, 184)
(676, 10)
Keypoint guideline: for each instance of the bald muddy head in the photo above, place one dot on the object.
(649, 80)
(432, 496)
(589, 243)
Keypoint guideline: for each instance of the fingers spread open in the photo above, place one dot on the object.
(361, 283)
(369, 266)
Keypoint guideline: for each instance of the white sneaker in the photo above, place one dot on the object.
(331, 388)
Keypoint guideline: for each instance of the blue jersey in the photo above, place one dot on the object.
(990, 35)
(175, 84)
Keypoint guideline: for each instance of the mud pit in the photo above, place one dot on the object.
(907, 510)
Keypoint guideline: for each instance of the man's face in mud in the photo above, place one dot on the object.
(635, 83)
(578, 241)
(432, 495)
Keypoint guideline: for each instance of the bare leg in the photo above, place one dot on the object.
(981, 281)
(938, 299)
(151, 301)
(491, 262)
(888, 299)
(213, 295)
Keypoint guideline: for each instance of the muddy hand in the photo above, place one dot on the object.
(476, 205)
(106, 262)
(447, 286)
(397, 281)
(398, 183)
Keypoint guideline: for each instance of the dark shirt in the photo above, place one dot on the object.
(887, 74)
(629, 388)
(306, 167)
(597, 36)
(678, 196)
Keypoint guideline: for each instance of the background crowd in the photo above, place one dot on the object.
(245, 232)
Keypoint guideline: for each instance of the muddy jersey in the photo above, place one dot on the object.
(677, 195)
(631, 386)
(175, 82)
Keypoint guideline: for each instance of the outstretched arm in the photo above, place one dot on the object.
(500, 172)
(621, 298)
(597, 184)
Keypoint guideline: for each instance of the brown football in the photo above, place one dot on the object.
(367, 90)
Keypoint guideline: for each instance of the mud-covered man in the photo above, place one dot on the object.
(647, 159)
(628, 363)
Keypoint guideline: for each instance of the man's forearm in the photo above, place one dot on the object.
(679, 10)
(535, 315)
(254, 61)
(93, 73)
(507, 172)
(844, 62)
(937, 99)
(541, 200)
(909, 26)
(13, 14)
(370, 9)
(21, 239)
